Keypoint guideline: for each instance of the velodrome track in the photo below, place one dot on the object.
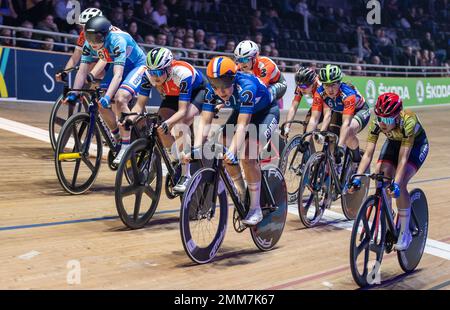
(43, 229)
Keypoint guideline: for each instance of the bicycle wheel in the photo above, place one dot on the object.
(60, 113)
(291, 164)
(203, 221)
(76, 168)
(368, 238)
(410, 258)
(351, 203)
(315, 190)
(139, 173)
(268, 232)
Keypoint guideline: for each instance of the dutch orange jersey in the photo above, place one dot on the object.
(266, 70)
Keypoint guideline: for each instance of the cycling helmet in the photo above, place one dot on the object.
(96, 29)
(159, 58)
(305, 76)
(87, 14)
(389, 105)
(221, 72)
(330, 74)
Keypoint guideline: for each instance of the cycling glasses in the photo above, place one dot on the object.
(387, 120)
(157, 73)
(304, 86)
(243, 60)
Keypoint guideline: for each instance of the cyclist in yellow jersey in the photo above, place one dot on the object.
(402, 155)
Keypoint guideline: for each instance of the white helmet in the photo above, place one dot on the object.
(246, 49)
(159, 58)
(87, 14)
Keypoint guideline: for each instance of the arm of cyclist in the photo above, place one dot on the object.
(113, 87)
(363, 165)
(97, 71)
(80, 78)
(279, 88)
(72, 62)
(290, 117)
(313, 123)
(238, 138)
(202, 132)
(327, 112)
(347, 116)
(405, 151)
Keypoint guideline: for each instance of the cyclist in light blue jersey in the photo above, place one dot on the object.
(111, 45)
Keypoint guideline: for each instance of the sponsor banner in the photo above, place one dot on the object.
(7, 73)
(413, 91)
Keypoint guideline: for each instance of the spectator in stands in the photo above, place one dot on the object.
(212, 45)
(190, 33)
(133, 31)
(343, 20)
(266, 51)
(189, 43)
(259, 38)
(178, 43)
(407, 58)
(27, 35)
(428, 43)
(117, 18)
(145, 11)
(7, 12)
(6, 41)
(356, 71)
(282, 66)
(192, 58)
(257, 24)
(180, 33)
(329, 21)
(128, 16)
(159, 16)
(425, 58)
(273, 23)
(149, 39)
(161, 39)
(200, 43)
(48, 24)
(275, 53)
(230, 46)
(49, 45)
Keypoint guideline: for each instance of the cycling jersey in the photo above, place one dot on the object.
(250, 96)
(266, 70)
(81, 40)
(183, 79)
(347, 102)
(119, 48)
(408, 130)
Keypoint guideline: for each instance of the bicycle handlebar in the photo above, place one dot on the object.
(293, 122)
(374, 176)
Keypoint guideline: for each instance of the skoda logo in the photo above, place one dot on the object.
(371, 92)
(420, 91)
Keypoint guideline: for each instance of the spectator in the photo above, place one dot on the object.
(190, 33)
(433, 62)
(180, 33)
(273, 24)
(6, 41)
(266, 50)
(212, 45)
(160, 15)
(49, 45)
(408, 58)
(189, 43)
(128, 17)
(428, 43)
(145, 10)
(256, 22)
(161, 39)
(117, 18)
(133, 31)
(193, 58)
(48, 24)
(200, 39)
(230, 47)
(27, 35)
(259, 38)
(178, 43)
(149, 39)
(7, 12)
(425, 58)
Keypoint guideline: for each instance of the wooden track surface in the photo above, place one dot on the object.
(42, 229)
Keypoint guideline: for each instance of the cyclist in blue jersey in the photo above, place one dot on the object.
(111, 45)
(252, 104)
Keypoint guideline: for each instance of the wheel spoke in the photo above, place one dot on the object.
(129, 190)
(60, 121)
(88, 163)
(137, 204)
(363, 245)
(75, 172)
(150, 192)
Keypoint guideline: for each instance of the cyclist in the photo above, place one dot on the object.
(402, 155)
(343, 107)
(111, 45)
(307, 82)
(252, 103)
(76, 56)
(179, 85)
(247, 57)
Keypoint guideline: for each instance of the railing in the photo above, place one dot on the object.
(204, 56)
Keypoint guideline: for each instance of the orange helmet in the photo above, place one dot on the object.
(221, 72)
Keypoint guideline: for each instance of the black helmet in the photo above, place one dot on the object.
(96, 29)
(306, 76)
